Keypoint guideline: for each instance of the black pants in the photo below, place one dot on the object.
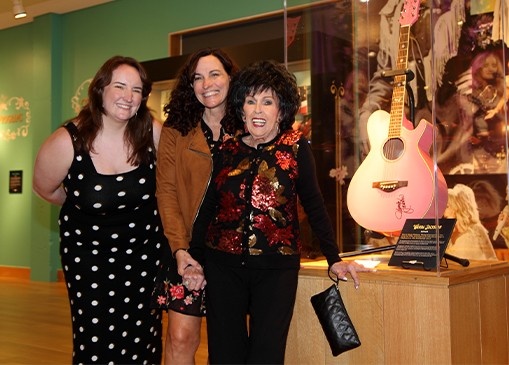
(265, 297)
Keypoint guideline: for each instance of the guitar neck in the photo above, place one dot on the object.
(398, 94)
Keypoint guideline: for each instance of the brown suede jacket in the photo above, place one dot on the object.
(184, 168)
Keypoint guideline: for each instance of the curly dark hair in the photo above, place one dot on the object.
(138, 133)
(262, 76)
(183, 111)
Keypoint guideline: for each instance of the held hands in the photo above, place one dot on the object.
(341, 268)
(190, 270)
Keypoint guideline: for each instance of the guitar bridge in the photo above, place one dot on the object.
(389, 186)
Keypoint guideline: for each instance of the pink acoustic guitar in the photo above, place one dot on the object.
(396, 181)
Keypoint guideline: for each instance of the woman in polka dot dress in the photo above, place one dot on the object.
(100, 167)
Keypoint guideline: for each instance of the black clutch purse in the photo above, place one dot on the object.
(334, 319)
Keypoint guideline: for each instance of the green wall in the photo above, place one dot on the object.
(44, 63)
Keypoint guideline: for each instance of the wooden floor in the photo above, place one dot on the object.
(35, 324)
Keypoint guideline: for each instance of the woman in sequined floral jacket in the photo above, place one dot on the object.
(252, 251)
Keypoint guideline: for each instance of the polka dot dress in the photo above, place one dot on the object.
(111, 245)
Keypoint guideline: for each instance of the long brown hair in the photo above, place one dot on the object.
(184, 111)
(138, 133)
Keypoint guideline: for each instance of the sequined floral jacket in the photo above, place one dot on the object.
(253, 203)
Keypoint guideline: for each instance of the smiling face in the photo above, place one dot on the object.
(211, 82)
(122, 96)
(261, 115)
(490, 68)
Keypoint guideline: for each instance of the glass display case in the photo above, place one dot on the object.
(404, 103)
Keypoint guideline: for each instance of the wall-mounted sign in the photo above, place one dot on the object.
(15, 182)
(15, 117)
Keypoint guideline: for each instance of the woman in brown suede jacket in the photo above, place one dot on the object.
(192, 132)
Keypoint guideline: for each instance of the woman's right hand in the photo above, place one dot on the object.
(191, 271)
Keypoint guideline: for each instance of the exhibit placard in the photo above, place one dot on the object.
(417, 243)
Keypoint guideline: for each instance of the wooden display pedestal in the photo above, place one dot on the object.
(410, 316)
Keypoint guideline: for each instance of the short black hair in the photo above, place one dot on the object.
(262, 76)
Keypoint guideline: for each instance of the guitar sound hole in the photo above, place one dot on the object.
(393, 148)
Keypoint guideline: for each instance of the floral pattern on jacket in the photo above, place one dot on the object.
(256, 196)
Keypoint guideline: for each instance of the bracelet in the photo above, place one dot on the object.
(177, 250)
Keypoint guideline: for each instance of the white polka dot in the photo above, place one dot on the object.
(95, 243)
(127, 283)
(76, 193)
(78, 277)
(120, 178)
(129, 251)
(94, 286)
(95, 268)
(127, 300)
(66, 217)
(111, 260)
(128, 267)
(144, 273)
(80, 177)
(132, 225)
(147, 227)
(142, 290)
(132, 240)
(122, 206)
(146, 196)
(138, 323)
(95, 339)
(114, 235)
(94, 358)
(95, 320)
(114, 249)
(81, 329)
(79, 244)
(124, 334)
(66, 234)
(111, 345)
(144, 257)
(78, 232)
(82, 347)
(98, 188)
(112, 293)
(95, 252)
(80, 311)
(125, 316)
(142, 180)
(95, 228)
(77, 259)
(111, 276)
(97, 205)
(121, 193)
(95, 303)
(78, 294)
(79, 158)
(136, 340)
(112, 310)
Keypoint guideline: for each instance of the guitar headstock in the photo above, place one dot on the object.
(410, 12)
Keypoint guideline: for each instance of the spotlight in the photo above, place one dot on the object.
(18, 9)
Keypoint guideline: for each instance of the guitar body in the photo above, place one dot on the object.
(396, 180)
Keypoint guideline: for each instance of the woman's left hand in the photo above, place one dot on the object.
(341, 268)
